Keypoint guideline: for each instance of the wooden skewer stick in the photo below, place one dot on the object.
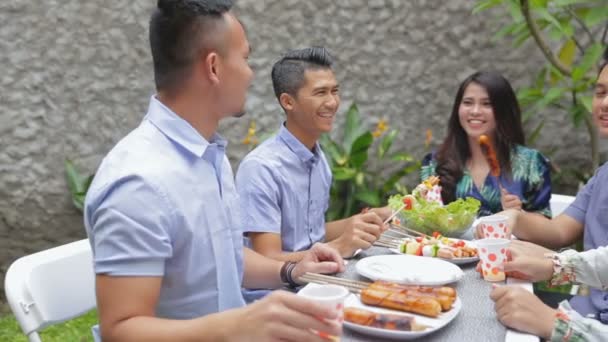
(329, 278)
(386, 245)
(399, 233)
(409, 230)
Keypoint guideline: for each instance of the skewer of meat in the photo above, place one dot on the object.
(383, 321)
(443, 290)
(400, 301)
(490, 153)
(446, 302)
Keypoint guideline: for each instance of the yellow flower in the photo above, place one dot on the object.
(429, 137)
(251, 138)
(251, 131)
(381, 127)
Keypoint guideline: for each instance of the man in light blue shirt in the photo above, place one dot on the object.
(284, 183)
(162, 213)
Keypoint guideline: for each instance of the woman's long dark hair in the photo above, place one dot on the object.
(455, 151)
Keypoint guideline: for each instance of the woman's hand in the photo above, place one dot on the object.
(509, 201)
(511, 214)
(520, 309)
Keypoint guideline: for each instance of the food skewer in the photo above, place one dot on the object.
(406, 229)
(386, 244)
(381, 320)
(488, 150)
(399, 233)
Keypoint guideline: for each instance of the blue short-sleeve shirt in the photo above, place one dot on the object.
(163, 203)
(284, 189)
(590, 208)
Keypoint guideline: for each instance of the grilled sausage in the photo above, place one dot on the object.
(403, 302)
(383, 321)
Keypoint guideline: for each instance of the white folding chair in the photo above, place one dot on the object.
(559, 203)
(51, 287)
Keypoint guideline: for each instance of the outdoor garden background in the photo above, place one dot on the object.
(76, 76)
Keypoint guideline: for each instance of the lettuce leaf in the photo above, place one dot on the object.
(427, 217)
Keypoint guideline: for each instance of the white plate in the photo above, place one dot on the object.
(433, 323)
(409, 269)
(457, 261)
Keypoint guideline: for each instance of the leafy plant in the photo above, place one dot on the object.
(77, 183)
(579, 28)
(357, 182)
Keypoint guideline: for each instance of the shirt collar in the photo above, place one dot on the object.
(306, 156)
(179, 130)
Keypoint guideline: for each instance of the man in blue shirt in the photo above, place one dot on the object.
(587, 218)
(284, 183)
(162, 213)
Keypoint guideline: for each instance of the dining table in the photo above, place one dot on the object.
(475, 322)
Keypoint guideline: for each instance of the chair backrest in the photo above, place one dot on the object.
(559, 203)
(51, 286)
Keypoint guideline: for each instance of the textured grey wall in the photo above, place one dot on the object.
(76, 76)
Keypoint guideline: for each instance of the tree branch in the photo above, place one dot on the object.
(582, 24)
(544, 48)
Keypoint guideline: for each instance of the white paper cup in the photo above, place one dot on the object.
(494, 226)
(332, 296)
(493, 254)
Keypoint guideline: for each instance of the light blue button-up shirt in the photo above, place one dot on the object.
(163, 203)
(284, 189)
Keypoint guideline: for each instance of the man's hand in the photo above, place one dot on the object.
(520, 309)
(527, 261)
(283, 316)
(360, 232)
(319, 259)
(509, 201)
(519, 248)
(383, 212)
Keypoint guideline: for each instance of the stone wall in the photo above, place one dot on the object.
(76, 76)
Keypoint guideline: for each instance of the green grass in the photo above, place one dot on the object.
(77, 330)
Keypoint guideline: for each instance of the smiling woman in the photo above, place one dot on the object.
(485, 104)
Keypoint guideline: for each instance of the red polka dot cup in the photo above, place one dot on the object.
(492, 255)
(330, 295)
(495, 227)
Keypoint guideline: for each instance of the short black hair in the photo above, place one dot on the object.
(179, 30)
(288, 72)
(604, 61)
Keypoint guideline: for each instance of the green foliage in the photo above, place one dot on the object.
(563, 85)
(77, 330)
(357, 182)
(77, 183)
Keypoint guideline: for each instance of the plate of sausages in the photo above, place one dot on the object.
(409, 269)
(391, 310)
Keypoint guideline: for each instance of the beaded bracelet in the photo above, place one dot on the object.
(286, 274)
